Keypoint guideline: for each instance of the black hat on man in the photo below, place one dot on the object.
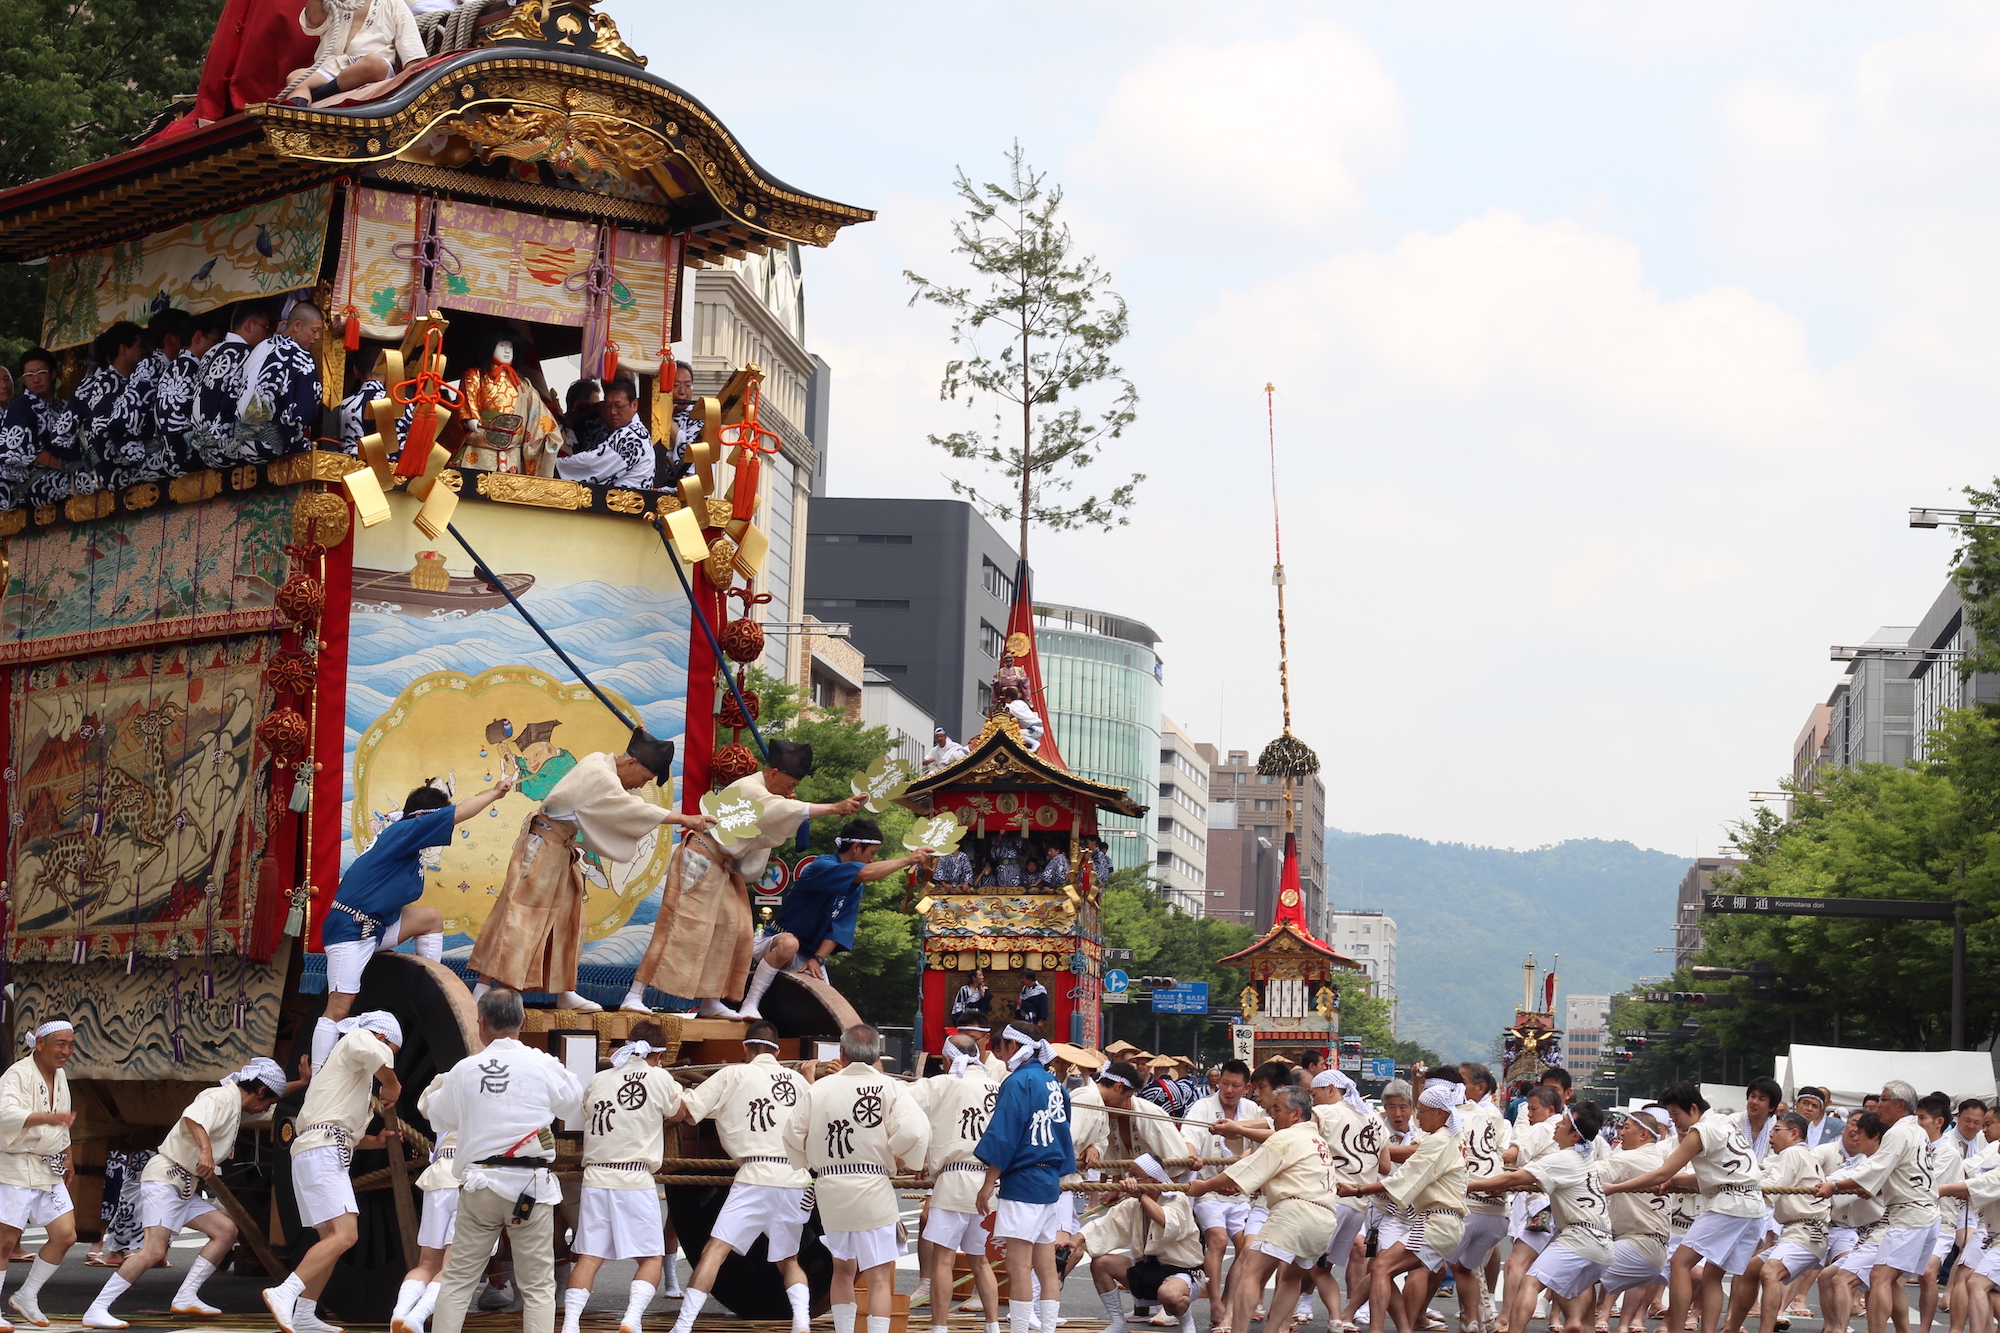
(792, 758)
(656, 755)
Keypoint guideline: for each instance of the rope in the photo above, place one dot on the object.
(453, 29)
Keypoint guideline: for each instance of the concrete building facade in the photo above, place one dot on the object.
(1695, 884)
(1102, 676)
(926, 585)
(1260, 812)
(1586, 1019)
(1368, 937)
(1181, 822)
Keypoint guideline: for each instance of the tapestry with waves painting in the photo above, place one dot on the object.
(133, 792)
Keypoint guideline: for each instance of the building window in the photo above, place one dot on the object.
(990, 639)
(985, 699)
(1267, 805)
(857, 604)
(863, 538)
(997, 581)
(1266, 779)
(1368, 930)
(1361, 948)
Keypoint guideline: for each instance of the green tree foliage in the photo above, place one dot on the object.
(1977, 574)
(1040, 332)
(76, 79)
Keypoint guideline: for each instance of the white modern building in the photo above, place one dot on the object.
(1586, 1020)
(1181, 822)
(910, 727)
(1369, 938)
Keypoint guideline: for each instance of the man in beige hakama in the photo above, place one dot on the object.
(701, 942)
(533, 937)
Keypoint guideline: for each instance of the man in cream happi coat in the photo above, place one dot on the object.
(35, 1119)
(702, 937)
(533, 937)
(854, 1129)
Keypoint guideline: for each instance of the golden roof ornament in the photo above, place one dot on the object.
(568, 23)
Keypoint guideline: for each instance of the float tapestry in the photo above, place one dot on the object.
(132, 796)
(449, 682)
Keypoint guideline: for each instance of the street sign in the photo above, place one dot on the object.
(1190, 997)
(1116, 982)
(1117, 955)
(1116, 997)
(1350, 1064)
(1243, 1042)
(1378, 1069)
(1900, 909)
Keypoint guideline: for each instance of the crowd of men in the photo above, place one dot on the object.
(1281, 1180)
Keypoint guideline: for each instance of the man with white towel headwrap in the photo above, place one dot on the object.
(1581, 1250)
(169, 1199)
(331, 1128)
(35, 1119)
(1429, 1185)
(958, 1102)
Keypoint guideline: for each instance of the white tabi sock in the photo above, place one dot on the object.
(114, 1287)
(800, 1295)
(293, 1286)
(878, 1323)
(480, 990)
(407, 1295)
(304, 1309)
(198, 1273)
(1020, 1316)
(759, 983)
(636, 997)
(696, 1298)
(574, 1299)
(1051, 1311)
(1187, 1319)
(325, 1034)
(635, 1308)
(38, 1273)
(426, 1303)
(992, 1326)
(843, 1318)
(431, 946)
(1114, 1310)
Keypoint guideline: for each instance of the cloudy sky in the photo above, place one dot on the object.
(1612, 344)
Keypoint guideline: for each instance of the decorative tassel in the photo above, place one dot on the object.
(97, 822)
(208, 984)
(743, 498)
(78, 952)
(243, 1015)
(242, 1021)
(611, 365)
(302, 787)
(180, 1048)
(295, 920)
(132, 959)
(352, 331)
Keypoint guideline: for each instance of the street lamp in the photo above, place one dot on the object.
(1871, 653)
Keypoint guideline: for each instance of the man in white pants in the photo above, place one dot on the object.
(35, 1119)
(418, 1296)
(625, 1110)
(330, 1131)
(1894, 1173)
(169, 1200)
(501, 1101)
(958, 1103)
(750, 1104)
(854, 1129)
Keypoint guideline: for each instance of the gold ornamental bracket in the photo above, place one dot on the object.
(571, 24)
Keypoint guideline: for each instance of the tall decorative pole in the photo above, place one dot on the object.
(1286, 757)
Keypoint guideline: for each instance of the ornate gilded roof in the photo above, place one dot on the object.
(459, 124)
(1000, 761)
(1286, 938)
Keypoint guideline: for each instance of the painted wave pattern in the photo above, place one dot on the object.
(633, 642)
(124, 1024)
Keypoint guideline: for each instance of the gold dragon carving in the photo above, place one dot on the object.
(544, 134)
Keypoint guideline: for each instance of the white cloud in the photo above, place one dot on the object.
(1283, 128)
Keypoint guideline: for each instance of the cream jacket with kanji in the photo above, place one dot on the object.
(958, 1109)
(625, 1114)
(219, 1111)
(750, 1104)
(855, 1129)
(32, 1158)
(1125, 1226)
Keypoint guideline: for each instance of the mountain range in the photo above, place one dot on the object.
(1466, 918)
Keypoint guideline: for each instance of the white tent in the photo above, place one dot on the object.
(1722, 1096)
(1849, 1074)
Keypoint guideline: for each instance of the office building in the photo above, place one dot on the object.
(1181, 822)
(1243, 869)
(1586, 1020)
(1939, 685)
(1695, 884)
(1369, 938)
(1259, 804)
(883, 705)
(926, 586)
(1102, 675)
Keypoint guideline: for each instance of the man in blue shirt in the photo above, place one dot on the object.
(821, 909)
(376, 905)
(1027, 1152)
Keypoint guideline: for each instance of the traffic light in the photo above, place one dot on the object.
(1763, 980)
(1159, 983)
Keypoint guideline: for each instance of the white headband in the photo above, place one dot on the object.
(53, 1026)
(1150, 1164)
(1440, 1095)
(263, 1070)
(1108, 1077)
(642, 1049)
(378, 1021)
(759, 1041)
(1030, 1048)
(960, 1061)
(857, 842)
(1333, 1078)
(1660, 1122)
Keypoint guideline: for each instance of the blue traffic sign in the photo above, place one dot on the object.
(1378, 1069)
(1116, 982)
(1190, 997)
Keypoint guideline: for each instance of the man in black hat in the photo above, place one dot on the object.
(701, 941)
(533, 937)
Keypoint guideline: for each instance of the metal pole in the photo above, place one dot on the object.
(1958, 965)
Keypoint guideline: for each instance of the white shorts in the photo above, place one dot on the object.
(1729, 1241)
(1989, 1265)
(762, 945)
(161, 1205)
(1014, 1220)
(1068, 1222)
(1907, 1249)
(440, 1220)
(21, 1207)
(1839, 1240)
(866, 1249)
(619, 1224)
(346, 962)
(1214, 1210)
(751, 1211)
(1255, 1222)
(1565, 1272)
(1860, 1261)
(1632, 1265)
(1390, 1230)
(1280, 1253)
(1945, 1240)
(1341, 1243)
(1483, 1231)
(1534, 1240)
(321, 1185)
(962, 1232)
(1796, 1259)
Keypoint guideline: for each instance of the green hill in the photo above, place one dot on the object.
(1466, 917)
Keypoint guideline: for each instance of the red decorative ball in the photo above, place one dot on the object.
(732, 715)
(742, 640)
(285, 733)
(302, 598)
(290, 673)
(732, 763)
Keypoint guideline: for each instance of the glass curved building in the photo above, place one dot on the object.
(1102, 676)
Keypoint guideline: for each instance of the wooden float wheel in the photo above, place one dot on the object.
(439, 1028)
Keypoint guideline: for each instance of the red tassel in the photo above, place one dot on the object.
(353, 330)
(611, 362)
(744, 497)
